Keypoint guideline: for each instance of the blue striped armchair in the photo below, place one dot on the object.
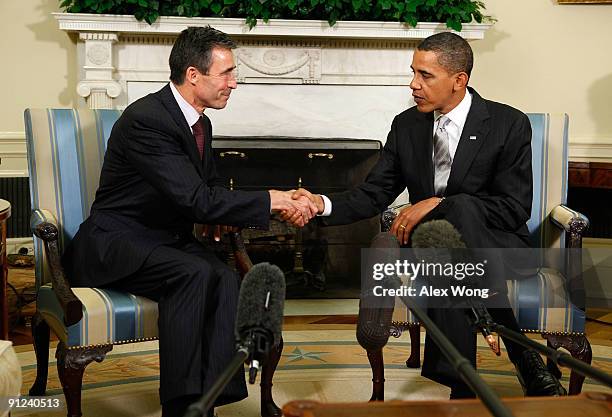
(65, 155)
(552, 225)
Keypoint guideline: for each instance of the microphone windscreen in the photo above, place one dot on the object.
(261, 301)
(437, 234)
(375, 313)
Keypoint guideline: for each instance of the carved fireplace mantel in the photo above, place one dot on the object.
(348, 80)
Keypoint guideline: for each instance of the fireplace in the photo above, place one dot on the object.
(319, 262)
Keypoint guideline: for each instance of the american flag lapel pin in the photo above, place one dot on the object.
(472, 137)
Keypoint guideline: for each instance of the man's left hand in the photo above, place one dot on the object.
(217, 231)
(410, 216)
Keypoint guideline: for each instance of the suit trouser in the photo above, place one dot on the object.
(465, 213)
(197, 297)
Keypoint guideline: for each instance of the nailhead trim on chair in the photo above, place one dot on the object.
(406, 324)
(123, 342)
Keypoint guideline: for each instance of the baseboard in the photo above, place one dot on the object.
(13, 244)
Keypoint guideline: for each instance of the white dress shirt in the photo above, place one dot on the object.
(191, 114)
(454, 128)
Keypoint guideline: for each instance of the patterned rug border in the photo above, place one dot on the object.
(287, 367)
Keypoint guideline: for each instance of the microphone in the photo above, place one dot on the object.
(441, 234)
(437, 234)
(259, 317)
(375, 314)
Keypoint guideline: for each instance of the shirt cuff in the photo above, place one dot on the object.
(327, 206)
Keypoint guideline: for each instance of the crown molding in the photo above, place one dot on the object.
(127, 24)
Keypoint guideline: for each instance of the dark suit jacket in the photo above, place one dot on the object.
(494, 168)
(153, 188)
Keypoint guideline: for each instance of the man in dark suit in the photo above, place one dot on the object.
(157, 180)
(464, 159)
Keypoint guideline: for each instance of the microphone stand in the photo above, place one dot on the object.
(459, 363)
(256, 345)
(484, 320)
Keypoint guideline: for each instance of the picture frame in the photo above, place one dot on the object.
(584, 1)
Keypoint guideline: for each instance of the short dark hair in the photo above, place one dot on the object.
(454, 53)
(193, 48)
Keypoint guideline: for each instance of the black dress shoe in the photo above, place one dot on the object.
(177, 407)
(535, 378)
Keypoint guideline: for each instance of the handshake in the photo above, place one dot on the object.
(296, 206)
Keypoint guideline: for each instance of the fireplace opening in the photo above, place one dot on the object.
(318, 262)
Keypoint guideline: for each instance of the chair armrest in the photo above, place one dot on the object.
(71, 305)
(388, 216)
(243, 262)
(572, 222)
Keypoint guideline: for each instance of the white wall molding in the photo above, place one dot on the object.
(591, 149)
(13, 155)
(81, 22)
(8, 136)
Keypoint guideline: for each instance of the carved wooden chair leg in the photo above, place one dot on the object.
(40, 334)
(414, 360)
(580, 348)
(552, 367)
(70, 368)
(268, 407)
(378, 374)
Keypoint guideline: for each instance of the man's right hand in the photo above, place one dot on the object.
(316, 199)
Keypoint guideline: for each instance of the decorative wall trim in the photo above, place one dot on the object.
(591, 151)
(13, 155)
(8, 136)
(78, 22)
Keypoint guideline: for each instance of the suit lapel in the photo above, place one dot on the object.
(423, 145)
(168, 100)
(472, 138)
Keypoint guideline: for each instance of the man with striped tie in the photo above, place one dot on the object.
(157, 180)
(464, 159)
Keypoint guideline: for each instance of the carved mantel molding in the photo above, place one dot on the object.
(111, 51)
(84, 22)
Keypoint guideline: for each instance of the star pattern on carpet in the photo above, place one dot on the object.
(298, 354)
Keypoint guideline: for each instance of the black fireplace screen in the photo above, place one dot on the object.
(319, 262)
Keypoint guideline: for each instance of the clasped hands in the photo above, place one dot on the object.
(293, 208)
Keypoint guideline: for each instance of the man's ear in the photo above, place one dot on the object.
(461, 80)
(191, 75)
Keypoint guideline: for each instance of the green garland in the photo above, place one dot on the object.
(452, 12)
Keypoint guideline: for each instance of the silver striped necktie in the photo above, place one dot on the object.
(442, 160)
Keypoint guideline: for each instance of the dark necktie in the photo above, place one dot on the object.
(198, 132)
(442, 161)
